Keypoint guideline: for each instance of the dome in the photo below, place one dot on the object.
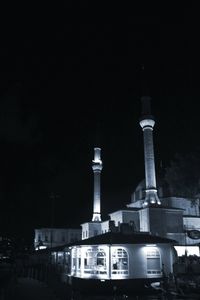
(162, 187)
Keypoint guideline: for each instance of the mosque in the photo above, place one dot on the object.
(136, 246)
(152, 209)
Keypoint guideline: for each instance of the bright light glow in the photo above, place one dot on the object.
(190, 250)
(100, 262)
(151, 245)
(41, 247)
(97, 161)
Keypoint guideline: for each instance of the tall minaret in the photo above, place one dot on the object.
(147, 123)
(97, 167)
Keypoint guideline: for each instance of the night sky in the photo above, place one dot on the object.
(70, 80)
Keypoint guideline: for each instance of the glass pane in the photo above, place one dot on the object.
(119, 261)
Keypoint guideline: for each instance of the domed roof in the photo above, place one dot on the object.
(162, 187)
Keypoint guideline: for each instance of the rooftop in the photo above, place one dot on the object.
(121, 238)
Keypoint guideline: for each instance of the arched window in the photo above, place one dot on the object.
(153, 261)
(89, 261)
(101, 262)
(95, 261)
(119, 261)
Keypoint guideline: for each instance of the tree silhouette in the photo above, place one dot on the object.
(183, 175)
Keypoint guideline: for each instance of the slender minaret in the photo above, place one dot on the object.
(97, 167)
(147, 123)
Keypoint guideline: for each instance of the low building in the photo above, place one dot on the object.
(121, 258)
(53, 237)
(154, 207)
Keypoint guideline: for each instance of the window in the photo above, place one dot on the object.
(95, 232)
(73, 262)
(95, 261)
(153, 261)
(46, 238)
(101, 262)
(119, 261)
(89, 261)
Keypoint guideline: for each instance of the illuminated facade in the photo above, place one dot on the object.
(137, 243)
(150, 209)
(125, 260)
(53, 237)
(122, 256)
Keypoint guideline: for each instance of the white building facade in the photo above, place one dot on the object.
(53, 237)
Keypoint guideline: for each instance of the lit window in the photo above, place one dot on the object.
(74, 258)
(153, 261)
(95, 261)
(101, 262)
(119, 261)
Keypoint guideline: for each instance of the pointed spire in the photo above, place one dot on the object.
(147, 123)
(97, 168)
(146, 105)
(97, 137)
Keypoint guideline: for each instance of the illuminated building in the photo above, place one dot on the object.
(126, 260)
(171, 217)
(136, 246)
(53, 237)
(150, 209)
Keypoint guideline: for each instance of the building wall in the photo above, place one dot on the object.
(163, 221)
(117, 217)
(189, 207)
(144, 220)
(91, 229)
(125, 216)
(52, 237)
(137, 260)
(105, 226)
(191, 223)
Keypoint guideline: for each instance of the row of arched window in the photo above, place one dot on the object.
(98, 260)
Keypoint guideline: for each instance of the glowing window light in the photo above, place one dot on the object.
(189, 250)
(153, 260)
(90, 261)
(119, 262)
(41, 247)
(95, 260)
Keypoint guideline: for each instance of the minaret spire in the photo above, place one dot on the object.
(147, 123)
(97, 168)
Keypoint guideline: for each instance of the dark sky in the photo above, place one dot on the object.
(70, 80)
